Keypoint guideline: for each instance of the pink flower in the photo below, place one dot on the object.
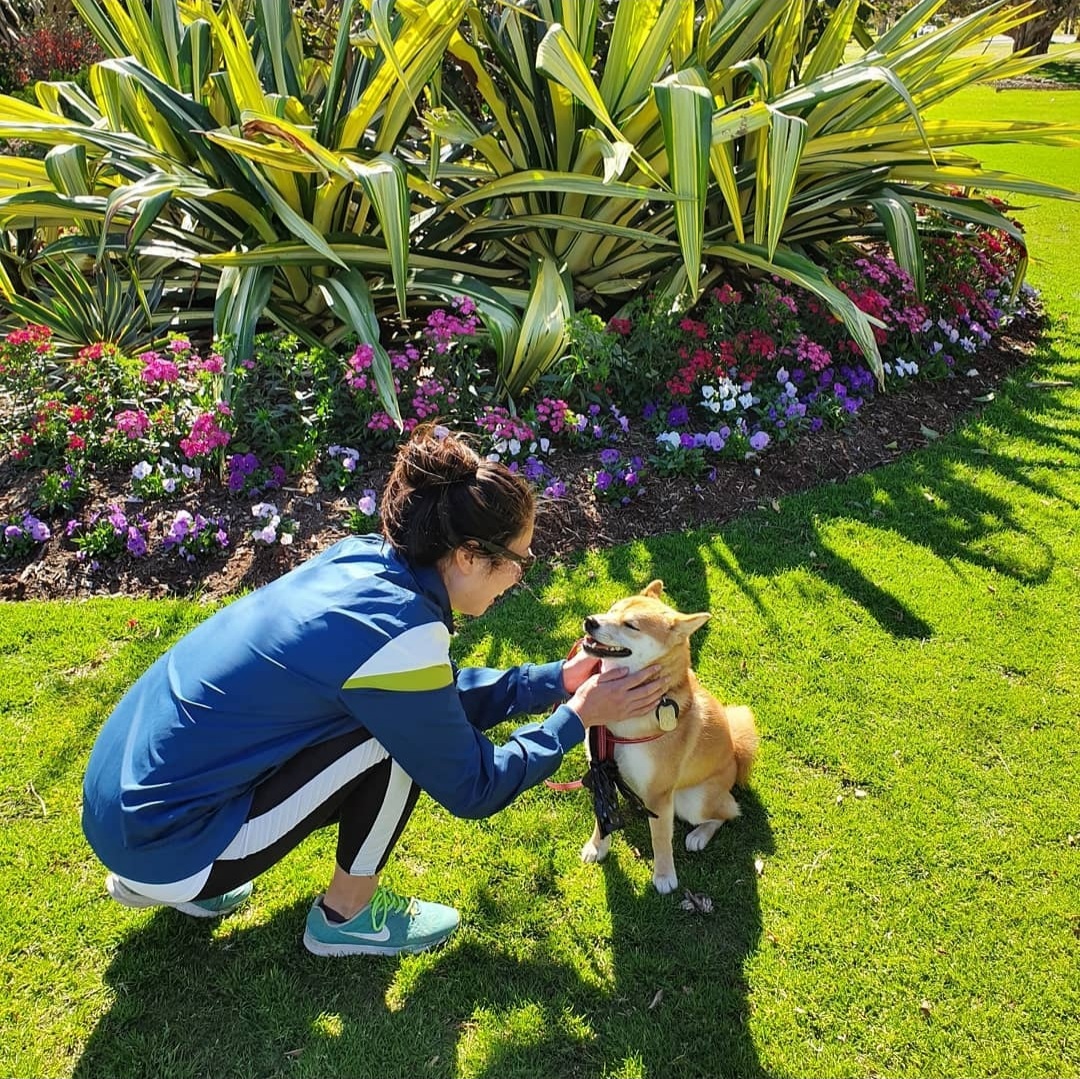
(205, 437)
(156, 369)
(132, 424)
(620, 326)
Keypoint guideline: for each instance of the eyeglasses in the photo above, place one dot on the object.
(524, 562)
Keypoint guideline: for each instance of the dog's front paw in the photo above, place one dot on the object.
(665, 882)
(596, 850)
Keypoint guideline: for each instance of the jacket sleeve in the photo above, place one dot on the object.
(490, 696)
(405, 694)
(429, 735)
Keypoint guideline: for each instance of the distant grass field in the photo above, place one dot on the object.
(900, 897)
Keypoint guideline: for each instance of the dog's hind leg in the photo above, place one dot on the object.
(662, 828)
(706, 807)
(597, 847)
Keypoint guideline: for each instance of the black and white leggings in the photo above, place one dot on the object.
(349, 780)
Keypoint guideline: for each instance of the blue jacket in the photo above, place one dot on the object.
(352, 637)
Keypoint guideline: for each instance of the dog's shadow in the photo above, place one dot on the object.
(671, 999)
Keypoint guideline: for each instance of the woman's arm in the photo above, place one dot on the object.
(490, 696)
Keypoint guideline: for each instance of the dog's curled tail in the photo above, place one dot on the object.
(744, 739)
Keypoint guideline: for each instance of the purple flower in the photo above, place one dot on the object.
(609, 457)
(367, 505)
(39, 531)
(648, 411)
(759, 441)
(136, 542)
(686, 441)
(714, 441)
(13, 532)
(533, 469)
(556, 489)
(678, 415)
(630, 479)
(603, 480)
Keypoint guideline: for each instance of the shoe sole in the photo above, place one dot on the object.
(340, 950)
(127, 898)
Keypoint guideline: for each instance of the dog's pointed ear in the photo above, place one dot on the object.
(691, 623)
(653, 588)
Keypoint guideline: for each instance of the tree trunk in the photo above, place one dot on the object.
(1037, 32)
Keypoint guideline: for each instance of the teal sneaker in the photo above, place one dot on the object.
(215, 907)
(389, 925)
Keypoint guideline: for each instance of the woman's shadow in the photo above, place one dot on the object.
(666, 994)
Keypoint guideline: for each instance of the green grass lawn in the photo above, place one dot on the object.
(910, 641)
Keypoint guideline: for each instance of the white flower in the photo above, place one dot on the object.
(782, 376)
(141, 471)
(714, 406)
(729, 403)
(708, 392)
(545, 445)
(494, 458)
(746, 399)
(500, 446)
(515, 447)
(168, 484)
(670, 438)
(190, 473)
(264, 509)
(286, 539)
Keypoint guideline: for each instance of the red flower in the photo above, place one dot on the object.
(76, 442)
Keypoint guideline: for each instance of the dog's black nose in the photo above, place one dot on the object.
(590, 624)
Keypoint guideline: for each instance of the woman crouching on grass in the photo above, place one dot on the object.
(329, 697)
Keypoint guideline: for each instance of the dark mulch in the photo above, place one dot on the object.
(885, 428)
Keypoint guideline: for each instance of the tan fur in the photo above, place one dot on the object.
(690, 771)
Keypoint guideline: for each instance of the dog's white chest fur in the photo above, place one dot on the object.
(635, 766)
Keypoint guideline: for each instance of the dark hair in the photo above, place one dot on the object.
(441, 494)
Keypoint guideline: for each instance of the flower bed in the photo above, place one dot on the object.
(163, 470)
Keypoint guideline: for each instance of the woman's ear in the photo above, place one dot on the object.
(464, 559)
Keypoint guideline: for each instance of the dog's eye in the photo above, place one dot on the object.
(630, 625)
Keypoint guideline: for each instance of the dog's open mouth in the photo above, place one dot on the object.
(603, 651)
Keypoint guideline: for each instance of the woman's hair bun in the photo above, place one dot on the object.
(433, 458)
(441, 492)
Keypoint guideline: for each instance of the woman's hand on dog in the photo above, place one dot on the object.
(577, 669)
(617, 694)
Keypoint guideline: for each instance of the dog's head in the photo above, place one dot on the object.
(638, 630)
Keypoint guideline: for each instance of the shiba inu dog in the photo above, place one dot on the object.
(684, 760)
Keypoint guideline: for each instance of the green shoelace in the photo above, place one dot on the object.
(386, 902)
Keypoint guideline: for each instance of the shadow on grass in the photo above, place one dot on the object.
(190, 1000)
(938, 500)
